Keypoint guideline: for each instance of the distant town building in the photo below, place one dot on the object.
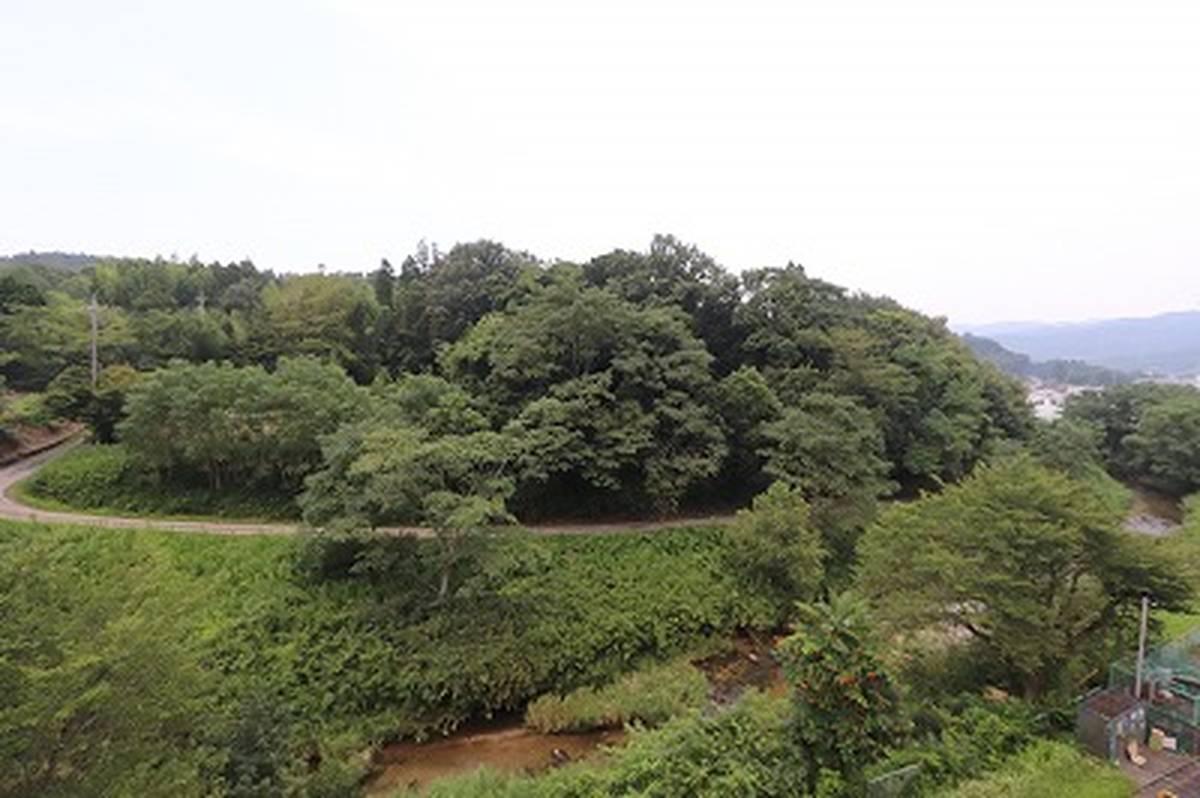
(1047, 399)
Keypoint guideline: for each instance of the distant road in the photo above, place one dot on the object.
(13, 510)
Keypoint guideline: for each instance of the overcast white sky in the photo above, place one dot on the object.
(1009, 159)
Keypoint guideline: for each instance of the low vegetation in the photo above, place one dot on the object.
(649, 696)
(215, 664)
(107, 481)
(1044, 770)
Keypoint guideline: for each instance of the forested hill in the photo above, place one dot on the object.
(631, 381)
(57, 261)
(1072, 372)
(1166, 344)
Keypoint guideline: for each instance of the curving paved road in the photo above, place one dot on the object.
(12, 509)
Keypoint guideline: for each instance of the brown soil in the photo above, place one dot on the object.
(31, 440)
(751, 663)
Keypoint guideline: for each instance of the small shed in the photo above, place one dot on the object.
(1108, 720)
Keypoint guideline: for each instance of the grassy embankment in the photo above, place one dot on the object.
(192, 654)
(102, 480)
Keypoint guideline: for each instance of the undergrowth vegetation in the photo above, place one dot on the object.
(648, 695)
(106, 480)
(254, 664)
(1044, 770)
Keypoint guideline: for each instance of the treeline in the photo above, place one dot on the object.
(1148, 432)
(636, 381)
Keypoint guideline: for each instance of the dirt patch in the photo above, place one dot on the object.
(750, 663)
(1153, 513)
(26, 441)
(511, 748)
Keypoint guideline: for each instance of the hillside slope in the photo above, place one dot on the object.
(1166, 344)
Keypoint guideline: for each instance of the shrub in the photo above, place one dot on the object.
(1048, 769)
(650, 695)
(27, 411)
(982, 736)
(106, 479)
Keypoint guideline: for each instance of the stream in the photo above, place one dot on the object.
(1153, 513)
(508, 745)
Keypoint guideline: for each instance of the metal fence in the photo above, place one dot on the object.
(1170, 688)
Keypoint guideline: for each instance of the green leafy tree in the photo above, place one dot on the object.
(746, 405)
(578, 364)
(37, 342)
(378, 474)
(776, 548)
(846, 709)
(1116, 412)
(832, 450)
(329, 316)
(1025, 561)
(70, 395)
(238, 426)
(1164, 448)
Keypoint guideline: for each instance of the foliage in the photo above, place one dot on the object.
(1022, 558)
(776, 548)
(331, 664)
(100, 693)
(107, 480)
(1042, 771)
(1118, 412)
(323, 316)
(649, 695)
(29, 410)
(846, 709)
(963, 741)
(1165, 447)
(633, 382)
(224, 425)
(609, 395)
(70, 395)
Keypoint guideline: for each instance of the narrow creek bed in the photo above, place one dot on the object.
(511, 746)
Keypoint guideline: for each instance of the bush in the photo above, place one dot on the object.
(1048, 769)
(27, 411)
(650, 695)
(107, 480)
(980, 737)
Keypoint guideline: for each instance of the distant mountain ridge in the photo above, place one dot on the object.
(1167, 344)
(1071, 372)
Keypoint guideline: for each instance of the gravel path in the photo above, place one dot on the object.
(12, 509)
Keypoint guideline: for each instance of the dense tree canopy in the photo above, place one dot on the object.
(1024, 560)
(632, 382)
(1146, 431)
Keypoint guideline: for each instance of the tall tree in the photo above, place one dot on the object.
(1025, 561)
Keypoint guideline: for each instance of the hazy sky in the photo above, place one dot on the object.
(1007, 159)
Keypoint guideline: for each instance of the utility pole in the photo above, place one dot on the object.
(1141, 656)
(93, 311)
